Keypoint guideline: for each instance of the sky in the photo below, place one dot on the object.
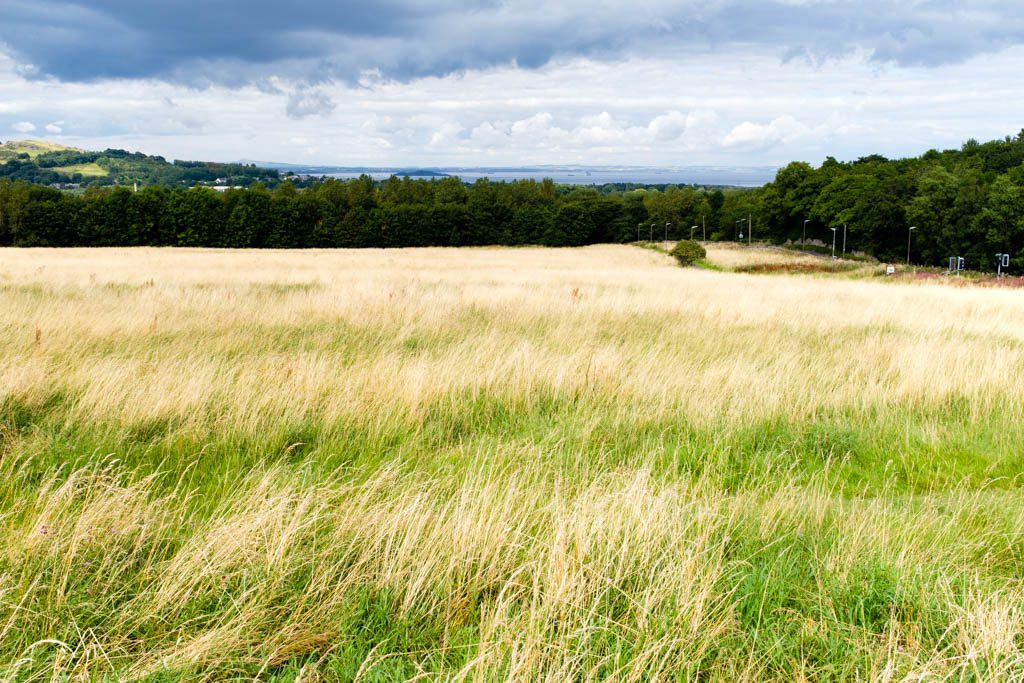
(513, 82)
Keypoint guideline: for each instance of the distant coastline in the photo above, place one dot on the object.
(570, 175)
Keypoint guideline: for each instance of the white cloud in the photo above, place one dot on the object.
(536, 125)
(448, 135)
(749, 110)
(488, 134)
(55, 128)
(782, 129)
(24, 127)
(668, 127)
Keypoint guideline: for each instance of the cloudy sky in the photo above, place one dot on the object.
(512, 82)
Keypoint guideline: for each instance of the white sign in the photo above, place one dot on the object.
(890, 270)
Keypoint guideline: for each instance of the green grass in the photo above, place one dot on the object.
(386, 468)
(92, 170)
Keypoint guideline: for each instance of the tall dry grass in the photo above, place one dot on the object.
(490, 464)
(154, 334)
(733, 256)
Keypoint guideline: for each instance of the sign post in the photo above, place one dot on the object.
(1002, 261)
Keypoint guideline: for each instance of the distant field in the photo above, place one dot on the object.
(766, 258)
(514, 464)
(742, 257)
(92, 170)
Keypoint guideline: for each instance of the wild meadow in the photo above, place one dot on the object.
(503, 464)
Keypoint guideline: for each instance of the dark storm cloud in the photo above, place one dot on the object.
(232, 42)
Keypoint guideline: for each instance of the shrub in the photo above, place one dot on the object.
(688, 251)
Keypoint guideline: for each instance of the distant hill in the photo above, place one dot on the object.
(51, 164)
(33, 148)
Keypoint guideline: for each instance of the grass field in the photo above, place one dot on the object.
(92, 170)
(742, 258)
(503, 464)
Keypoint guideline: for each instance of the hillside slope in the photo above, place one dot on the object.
(52, 164)
(13, 148)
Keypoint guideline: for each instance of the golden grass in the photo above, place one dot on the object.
(12, 148)
(518, 464)
(618, 322)
(733, 256)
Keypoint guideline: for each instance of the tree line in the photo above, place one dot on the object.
(340, 213)
(966, 202)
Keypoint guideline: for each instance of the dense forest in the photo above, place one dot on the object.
(967, 202)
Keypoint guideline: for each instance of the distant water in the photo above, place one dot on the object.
(735, 177)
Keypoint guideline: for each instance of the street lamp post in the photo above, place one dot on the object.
(638, 226)
(704, 223)
(652, 232)
(909, 233)
(804, 238)
(750, 231)
(666, 231)
(844, 240)
(833, 244)
(737, 230)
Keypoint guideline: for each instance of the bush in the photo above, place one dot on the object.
(688, 251)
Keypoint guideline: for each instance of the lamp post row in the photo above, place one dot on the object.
(803, 239)
(651, 236)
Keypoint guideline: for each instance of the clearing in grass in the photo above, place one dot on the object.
(91, 170)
